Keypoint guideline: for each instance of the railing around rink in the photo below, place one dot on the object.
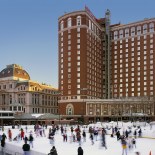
(11, 149)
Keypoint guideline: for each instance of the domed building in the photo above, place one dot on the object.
(14, 72)
(18, 93)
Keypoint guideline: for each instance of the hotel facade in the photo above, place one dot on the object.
(106, 71)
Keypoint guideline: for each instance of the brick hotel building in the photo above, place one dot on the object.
(105, 71)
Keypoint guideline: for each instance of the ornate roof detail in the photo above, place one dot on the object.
(14, 70)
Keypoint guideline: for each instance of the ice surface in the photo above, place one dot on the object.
(42, 145)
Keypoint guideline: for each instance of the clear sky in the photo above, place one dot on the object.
(29, 30)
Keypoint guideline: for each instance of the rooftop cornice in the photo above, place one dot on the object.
(122, 26)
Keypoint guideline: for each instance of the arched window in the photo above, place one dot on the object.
(144, 28)
(78, 20)
(151, 27)
(69, 109)
(138, 30)
(62, 25)
(120, 33)
(115, 35)
(132, 31)
(90, 24)
(69, 22)
(127, 32)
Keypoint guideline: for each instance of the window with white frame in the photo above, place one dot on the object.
(69, 36)
(78, 40)
(78, 74)
(78, 51)
(132, 31)
(151, 77)
(90, 24)
(78, 57)
(69, 109)
(69, 47)
(69, 69)
(145, 52)
(62, 25)
(120, 34)
(138, 30)
(78, 35)
(78, 20)
(69, 22)
(151, 40)
(126, 33)
(145, 67)
(151, 72)
(115, 35)
(151, 27)
(78, 80)
(69, 64)
(144, 28)
(69, 53)
(78, 46)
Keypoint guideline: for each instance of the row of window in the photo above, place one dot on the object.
(134, 31)
(133, 89)
(138, 48)
(69, 22)
(134, 94)
(45, 110)
(132, 79)
(4, 86)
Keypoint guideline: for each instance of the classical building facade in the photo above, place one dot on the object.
(103, 67)
(20, 94)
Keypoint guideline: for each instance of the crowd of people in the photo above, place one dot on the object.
(76, 134)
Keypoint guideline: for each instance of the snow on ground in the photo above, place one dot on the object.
(41, 144)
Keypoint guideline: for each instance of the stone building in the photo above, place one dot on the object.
(20, 94)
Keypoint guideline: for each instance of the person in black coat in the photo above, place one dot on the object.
(3, 140)
(118, 135)
(53, 151)
(26, 148)
(80, 150)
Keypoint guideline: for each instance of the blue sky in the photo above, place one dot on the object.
(29, 30)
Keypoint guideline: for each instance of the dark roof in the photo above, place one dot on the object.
(49, 116)
(22, 83)
(46, 116)
(25, 116)
(14, 71)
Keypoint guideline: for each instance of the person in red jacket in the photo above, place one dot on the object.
(10, 135)
(22, 134)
